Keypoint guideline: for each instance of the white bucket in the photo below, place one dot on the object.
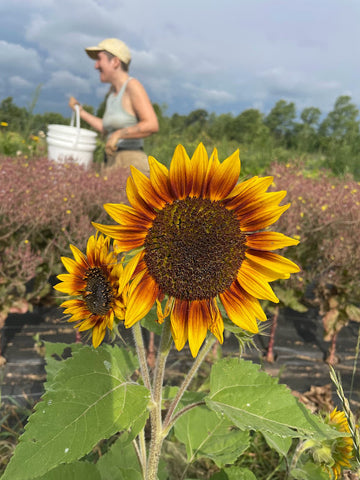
(71, 143)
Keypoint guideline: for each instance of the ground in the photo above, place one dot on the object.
(300, 353)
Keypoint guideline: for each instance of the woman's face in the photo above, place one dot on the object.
(105, 67)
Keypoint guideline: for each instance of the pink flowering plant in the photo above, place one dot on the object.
(325, 214)
(44, 206)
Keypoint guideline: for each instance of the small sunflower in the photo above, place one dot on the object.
(201, 241)
(342, 447)
(97, 279)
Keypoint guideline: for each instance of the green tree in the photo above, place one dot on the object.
(280, 121)
(306, 136)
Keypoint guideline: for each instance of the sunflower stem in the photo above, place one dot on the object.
(157, 436)
(141, 353)
(168, 422)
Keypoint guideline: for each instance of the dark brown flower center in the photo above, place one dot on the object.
(194, 248)
(98, 292)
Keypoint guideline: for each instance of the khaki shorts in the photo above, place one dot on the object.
(125, 158)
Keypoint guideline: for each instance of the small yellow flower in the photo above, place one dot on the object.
(4, 124)
(296, 237)
(68, 212)
(353, 191)
(301, 214)
(65, 199)
(324, 207)
(99, 284)
(26, 241)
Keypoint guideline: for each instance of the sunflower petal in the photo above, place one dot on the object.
(199, 163)
(269, 241)
(225, 177)
(159, 177)
(255, 284)
(146, 190)
(180, 173)
(198, 320)
(273, 261)
(141, 299)
(179, 322)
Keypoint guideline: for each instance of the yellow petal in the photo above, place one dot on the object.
(199, 163)
(225, 177)
(180, 173)
(197, 326)
(273, 261)
(269, 241)
(254, 284)
(141, 299)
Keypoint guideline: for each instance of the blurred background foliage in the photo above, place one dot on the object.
(331, 141)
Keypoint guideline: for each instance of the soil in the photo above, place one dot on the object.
(300, 354)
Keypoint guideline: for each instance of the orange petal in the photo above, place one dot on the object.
(141, 299)
(127, 238)
(180, 173)
(225, 177)
(137, 201)
(179, 323)
(198, 320)
(126, 215)
(255, 284)
(146, 190)
(262, 218)
(237, 310)
(159, 177)
(199, 163)
(269, 241)
(273, 261)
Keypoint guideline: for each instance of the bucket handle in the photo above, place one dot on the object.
(76, 113)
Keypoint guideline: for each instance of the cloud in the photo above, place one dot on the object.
(16, 59)
(67, 81)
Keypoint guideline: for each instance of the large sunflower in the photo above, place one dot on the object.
(97, 279)
(200, 240)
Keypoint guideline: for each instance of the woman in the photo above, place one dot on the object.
(129, 115)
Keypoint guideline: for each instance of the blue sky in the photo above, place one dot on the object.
(224, 56)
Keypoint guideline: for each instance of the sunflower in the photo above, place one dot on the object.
(97, 279)
(200, 243)
(342, 447)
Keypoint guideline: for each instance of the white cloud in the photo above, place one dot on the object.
(66, 81)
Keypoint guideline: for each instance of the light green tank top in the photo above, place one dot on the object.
(115, 117)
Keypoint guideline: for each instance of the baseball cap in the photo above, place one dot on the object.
(112, 45)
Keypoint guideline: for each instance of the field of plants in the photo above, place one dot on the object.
(45, 206)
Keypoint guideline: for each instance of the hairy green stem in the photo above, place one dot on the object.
(210, 340)
(141, 353)
(157, 436)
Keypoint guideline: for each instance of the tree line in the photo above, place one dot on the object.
(335, 136)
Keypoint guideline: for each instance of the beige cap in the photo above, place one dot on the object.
(112, 45)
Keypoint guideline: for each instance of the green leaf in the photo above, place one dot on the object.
(253, 400)
(280, 444)
(120, 462)
(91, 397)
(150, 322)
(73, 471)
(55, 354)
(234, 473)
(353, 313)
(205, 434)
(309, 471)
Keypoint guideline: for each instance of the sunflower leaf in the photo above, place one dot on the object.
(91, 397)
(234, 473)
(253, 400)
(206, 435)
(73, 471)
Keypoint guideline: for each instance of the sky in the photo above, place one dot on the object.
(224, 56)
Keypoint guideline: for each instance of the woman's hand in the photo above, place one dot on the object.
(73, 102)
(111, 144)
